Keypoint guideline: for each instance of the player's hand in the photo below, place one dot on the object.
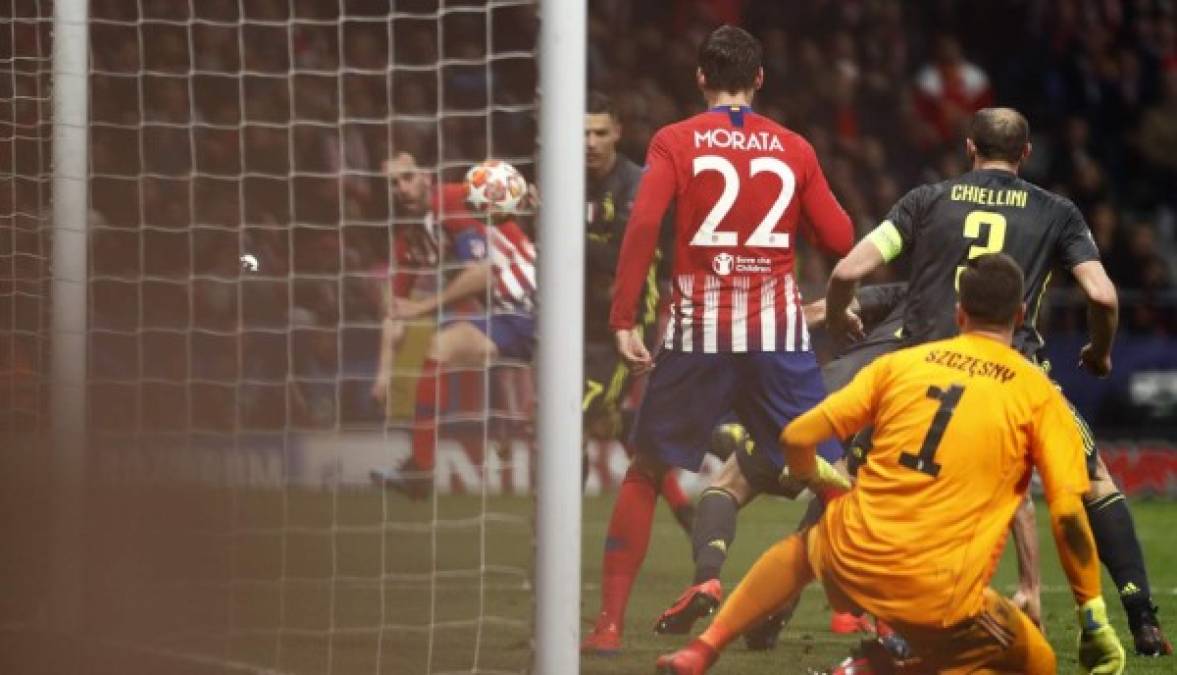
(406, 308)
(633, 351)
(824, 477)
(395, 329)
(1099, 365)
(815, 313)
(1100, 651)
(1029, 600)
(380, 387)
(846, 326)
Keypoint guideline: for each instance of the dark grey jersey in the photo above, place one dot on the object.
(943, 225)
(609, 201)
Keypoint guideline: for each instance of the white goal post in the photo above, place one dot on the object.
(271, 548)
(563, 45)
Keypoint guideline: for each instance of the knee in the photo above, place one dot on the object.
(1042, 660)
(648, 468)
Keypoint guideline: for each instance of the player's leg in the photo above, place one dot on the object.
(605, 383)
(713, 532)
(685, 398)
(1119, 549)
(750, 469)
(1000, 639)
(626, 540)
(788, 384)
(780, 573)
(1028, 597)
(459, 344)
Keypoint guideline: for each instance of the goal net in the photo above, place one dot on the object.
(25, 193)
(240, 229)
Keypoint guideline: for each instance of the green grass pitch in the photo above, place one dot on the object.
(306, 582)
(807, 642)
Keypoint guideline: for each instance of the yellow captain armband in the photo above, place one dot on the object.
(887, 239)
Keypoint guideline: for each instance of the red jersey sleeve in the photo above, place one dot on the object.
(828, 220)
(451, 210)
(641, 233)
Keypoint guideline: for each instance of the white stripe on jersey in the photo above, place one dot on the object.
(768, 315)
(790, 317)
(686, 310)
(710, 314)
(512, 270)
(740, 314)
(668, 341)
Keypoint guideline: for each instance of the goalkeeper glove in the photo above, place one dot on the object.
(1100, 651)
(824, 479)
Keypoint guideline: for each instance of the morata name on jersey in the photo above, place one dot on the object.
(988, 197)
(738, 140)
(970, 365)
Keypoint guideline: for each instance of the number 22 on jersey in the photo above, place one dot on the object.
(763, 236)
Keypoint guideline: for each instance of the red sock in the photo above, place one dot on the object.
(626, 543)
(672, 492)
(431, 392)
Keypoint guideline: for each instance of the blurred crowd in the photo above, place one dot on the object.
(223, 127)
(884, 90)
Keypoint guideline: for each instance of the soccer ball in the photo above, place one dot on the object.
(495, 186)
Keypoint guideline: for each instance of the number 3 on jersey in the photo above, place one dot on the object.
(763, 236)
(994, 238)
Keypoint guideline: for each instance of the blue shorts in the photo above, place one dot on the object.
(689, 394)
(513, 334)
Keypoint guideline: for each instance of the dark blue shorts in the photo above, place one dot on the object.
(513, 334)
(688, 394)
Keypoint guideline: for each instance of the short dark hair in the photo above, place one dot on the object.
(1000, 133)
(991, 289)
(600, 103)
(730, 58)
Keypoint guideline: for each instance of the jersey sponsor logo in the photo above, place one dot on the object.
(723, 263)
(738, 140)
(757, 265)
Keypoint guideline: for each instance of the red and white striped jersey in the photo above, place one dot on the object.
(741, 184)
(738, 314)
(512, 262)
(449, 233)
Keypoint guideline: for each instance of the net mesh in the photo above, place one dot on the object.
(240, 236)
(25, 193)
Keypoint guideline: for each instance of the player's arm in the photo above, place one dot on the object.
(1057, 454)
(863, 259)
(1076, 251)
(473, 280)
(881, 246)
(1103, 312)
(830, 224)
(392, 330)
(638, 249)
(840, 415)
(873, 303)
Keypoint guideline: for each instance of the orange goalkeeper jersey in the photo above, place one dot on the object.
(958, 424)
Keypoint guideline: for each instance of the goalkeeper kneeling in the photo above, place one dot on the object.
(960, 424)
